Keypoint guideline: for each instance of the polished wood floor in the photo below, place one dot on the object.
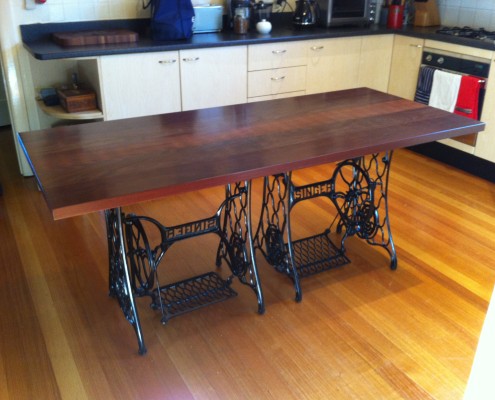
(361, 331)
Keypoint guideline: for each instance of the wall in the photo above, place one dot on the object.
(474, 13)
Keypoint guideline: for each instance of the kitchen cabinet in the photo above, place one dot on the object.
(276, 96)
(276, 55)
(135, 85)
(276, 70)
(333, 64)
(374, 61)
(485, 143)
(55, 74)
(213, 77)
(404, 69)
(276, 81)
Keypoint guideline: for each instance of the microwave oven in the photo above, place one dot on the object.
(346, 12)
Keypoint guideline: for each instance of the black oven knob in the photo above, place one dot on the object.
(440, 60)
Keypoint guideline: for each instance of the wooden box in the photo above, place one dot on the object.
(75, 100)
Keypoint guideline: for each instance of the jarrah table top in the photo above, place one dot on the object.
(102, 165)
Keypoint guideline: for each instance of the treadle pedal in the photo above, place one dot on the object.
(192, 294)
(317, 254)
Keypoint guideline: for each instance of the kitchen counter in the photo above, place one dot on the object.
(37, 37)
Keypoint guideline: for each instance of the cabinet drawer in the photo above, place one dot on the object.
(275, 81)
(276, 96)
(276, 55)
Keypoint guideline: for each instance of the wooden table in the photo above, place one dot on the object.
(108, 165)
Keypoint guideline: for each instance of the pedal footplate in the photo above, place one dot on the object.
(317, 254)
(191, 294)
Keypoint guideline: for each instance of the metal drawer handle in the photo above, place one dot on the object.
(278, 78)
(167, 61)
(190, 59)
(279, 51)
(416, 45)
(464, 110)
(317, 48)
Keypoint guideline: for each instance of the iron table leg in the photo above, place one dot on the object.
(134, 260)
(119, 280)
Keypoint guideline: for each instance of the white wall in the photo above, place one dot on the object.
(474, 13)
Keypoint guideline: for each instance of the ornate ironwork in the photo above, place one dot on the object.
(377, 167)
(236, 244)
(119, 280)
(358, 191)
(274, 228)
(231, 223)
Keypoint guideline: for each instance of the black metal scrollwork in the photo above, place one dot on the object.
(119, 280)
(236, 244)
(231, 223)
(357, 189)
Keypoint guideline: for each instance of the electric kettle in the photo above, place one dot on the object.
(306, 13)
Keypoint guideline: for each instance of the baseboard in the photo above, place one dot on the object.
(457, 158)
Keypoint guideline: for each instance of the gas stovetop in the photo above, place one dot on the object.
(469, 33)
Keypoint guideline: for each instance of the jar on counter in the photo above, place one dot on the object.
(241, 20)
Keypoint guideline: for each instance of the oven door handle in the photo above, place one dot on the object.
(464, 110)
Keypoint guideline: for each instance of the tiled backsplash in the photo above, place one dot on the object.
(84, 10)
(77, 10)
(474, 13)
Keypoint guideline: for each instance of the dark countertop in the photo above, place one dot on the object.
(37, 37)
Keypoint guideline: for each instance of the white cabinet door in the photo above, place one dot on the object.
(135, 85)
(333, 64)
(406, 60)
(374, 62)
(485, 143)
(213, 77)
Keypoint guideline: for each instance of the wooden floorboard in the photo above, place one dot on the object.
(361, 332)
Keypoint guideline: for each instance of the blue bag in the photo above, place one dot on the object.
(171, 19)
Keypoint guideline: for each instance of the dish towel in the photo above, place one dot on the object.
(444, 90)
(469, 95)
(425, 80)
